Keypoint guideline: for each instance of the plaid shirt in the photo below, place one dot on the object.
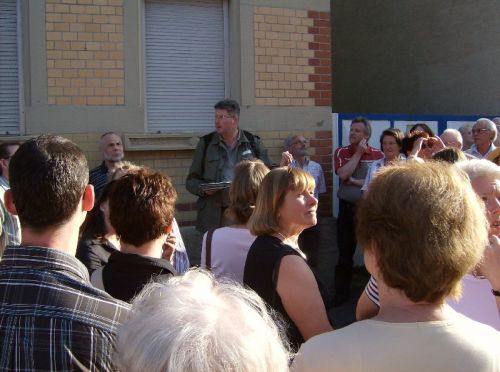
(50, 314)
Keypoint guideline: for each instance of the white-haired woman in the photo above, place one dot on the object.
(193, 323)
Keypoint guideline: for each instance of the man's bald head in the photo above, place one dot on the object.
(452, 138)
(111, 147)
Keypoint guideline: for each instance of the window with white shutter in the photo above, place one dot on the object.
(185, 63)
(10, 117)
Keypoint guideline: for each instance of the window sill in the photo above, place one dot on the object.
(160, 142)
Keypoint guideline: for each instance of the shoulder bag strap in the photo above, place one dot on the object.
(208, 250)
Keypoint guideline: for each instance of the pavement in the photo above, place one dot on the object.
(340, 316)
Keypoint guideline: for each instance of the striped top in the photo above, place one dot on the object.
(98, 177)
(10, 229)
(51, 318)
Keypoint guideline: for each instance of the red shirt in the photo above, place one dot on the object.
(343, 154)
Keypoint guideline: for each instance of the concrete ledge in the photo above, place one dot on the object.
(155, 142)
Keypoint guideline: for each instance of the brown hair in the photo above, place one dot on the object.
(48, 176)
(449, 154)
(248, 175)
(395, 133)
(272, 192)
(142, 206)
(426, 226)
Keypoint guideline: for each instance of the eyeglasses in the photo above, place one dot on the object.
(297, 142)
(224, 116)
(480, 130)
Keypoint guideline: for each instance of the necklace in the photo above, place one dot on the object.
(293, 245)
(283, 237)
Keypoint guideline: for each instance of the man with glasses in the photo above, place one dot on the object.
(296, 156)
(10, 230)
(484, 133)
(214, 160)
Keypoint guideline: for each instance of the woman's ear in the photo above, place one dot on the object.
(370, 257)
(169, 228)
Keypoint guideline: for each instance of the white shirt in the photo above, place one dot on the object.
(230, 247)
(473, 151)
(457, 344)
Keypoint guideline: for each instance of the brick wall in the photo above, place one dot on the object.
(292, 57)
(85, 52)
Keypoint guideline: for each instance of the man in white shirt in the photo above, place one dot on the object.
(484, 133)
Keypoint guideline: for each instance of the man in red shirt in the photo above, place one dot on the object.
(351, 165)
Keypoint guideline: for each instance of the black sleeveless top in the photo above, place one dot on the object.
(261, 274)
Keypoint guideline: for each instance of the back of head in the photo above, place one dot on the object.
(248, 175)
(194, 324)
(480, 168)
(142, 206)
(426, 225)
(265, 220)
(121, 168)
(48, 176)
(450, 155)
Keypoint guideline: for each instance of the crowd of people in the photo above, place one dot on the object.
(97, 276)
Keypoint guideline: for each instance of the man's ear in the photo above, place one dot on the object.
(88, 198)
(9, 202)
(3, 163)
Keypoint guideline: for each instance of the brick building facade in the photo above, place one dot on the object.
(90, 66)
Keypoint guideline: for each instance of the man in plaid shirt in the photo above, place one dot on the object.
(51, 318)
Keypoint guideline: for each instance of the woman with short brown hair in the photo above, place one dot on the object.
(419, 240)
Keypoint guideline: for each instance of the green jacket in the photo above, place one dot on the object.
(207, 167)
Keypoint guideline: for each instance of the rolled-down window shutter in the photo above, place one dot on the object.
(185, 73)
(9, 68)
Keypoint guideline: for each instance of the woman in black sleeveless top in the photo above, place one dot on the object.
(275, 267)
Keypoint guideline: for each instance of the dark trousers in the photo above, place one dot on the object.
(309, 242)
(346, 242)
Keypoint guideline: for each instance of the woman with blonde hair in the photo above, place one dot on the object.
(275, 267)
(225, 250)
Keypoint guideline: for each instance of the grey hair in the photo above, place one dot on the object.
(464, 128)
(192, 323)
(455, 133)
(479, 168)
(289, 140)
(366, 122)
(491, 127)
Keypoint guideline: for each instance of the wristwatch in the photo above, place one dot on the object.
(495, 293)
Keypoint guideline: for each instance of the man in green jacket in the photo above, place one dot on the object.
(214, 160)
